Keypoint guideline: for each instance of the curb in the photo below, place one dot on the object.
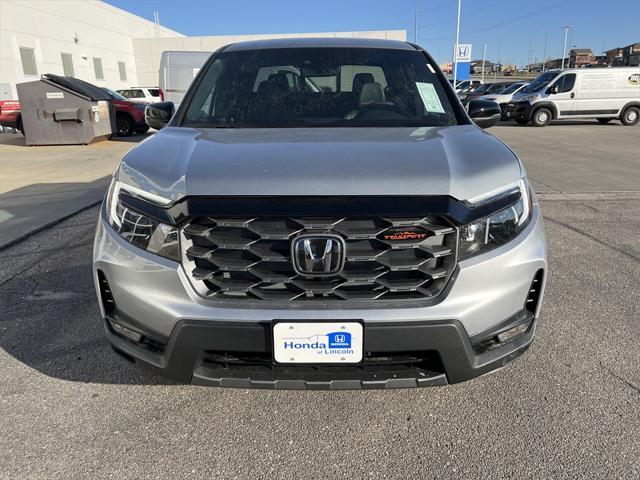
(52, 223)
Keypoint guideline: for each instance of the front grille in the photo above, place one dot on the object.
(386, 258)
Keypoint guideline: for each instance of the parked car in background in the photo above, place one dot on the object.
(129, 115)
(10, 114)
(142, 94)
(484, 89)
(504, 97)
(603, 94)
(466, 85)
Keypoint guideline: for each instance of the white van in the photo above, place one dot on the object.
(601, 93)
(177, 70)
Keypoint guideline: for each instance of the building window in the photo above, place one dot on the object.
(97, 68)
(67, 64)
(123, 71)
(28, 61)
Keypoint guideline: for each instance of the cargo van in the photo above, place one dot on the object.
(604, 94)
(177, 70)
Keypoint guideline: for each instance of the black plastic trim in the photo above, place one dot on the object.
(182, 359)
(458, 212)
(523, 316)
(589, 112)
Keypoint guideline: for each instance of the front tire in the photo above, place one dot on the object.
(124, 126)
(20, 126)
(541, 117)
(630, 116)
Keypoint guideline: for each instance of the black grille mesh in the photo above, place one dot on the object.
(386, 258)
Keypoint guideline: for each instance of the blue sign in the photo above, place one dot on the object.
(463, 71)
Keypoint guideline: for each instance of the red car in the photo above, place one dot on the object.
(10, 114)
(129, 115)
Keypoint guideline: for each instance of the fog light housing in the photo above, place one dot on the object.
(508, 335)
(125, 332)
(504, 333)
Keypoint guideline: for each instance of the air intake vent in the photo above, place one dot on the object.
(533, 296)
(108, 303)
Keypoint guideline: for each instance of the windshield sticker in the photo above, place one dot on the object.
(429, 97)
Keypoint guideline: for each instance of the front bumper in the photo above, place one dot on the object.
(193, 340)
(517, 110)
(423, 354)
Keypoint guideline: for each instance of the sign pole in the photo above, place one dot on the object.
(484, 58)
(455, 50)
(564, 49)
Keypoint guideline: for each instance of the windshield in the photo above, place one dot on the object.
(319, 87)
(483, 88)
(540, 82)
(511, 89)
(115, 95)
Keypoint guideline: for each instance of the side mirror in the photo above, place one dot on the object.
(484, 113)
(158, 114)
(553, 89)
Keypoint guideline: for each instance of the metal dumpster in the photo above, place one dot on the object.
(64, 110)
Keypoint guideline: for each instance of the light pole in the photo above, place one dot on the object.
(455, 49)
(564, 49)
(484, 59)
(544, 55)
(415, 24)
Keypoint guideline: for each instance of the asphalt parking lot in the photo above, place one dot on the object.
(569, 408)
(45, 183)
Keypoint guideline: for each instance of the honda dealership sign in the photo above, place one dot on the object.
(462, 62)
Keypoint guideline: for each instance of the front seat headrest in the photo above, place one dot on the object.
(371, 93)
(359, 79)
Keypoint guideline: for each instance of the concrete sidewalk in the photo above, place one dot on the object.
(41, 185)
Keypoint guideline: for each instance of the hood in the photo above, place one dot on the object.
(496, 97)
(128, 103)
(462, 161)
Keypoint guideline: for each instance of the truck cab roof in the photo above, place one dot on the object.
(313, 42)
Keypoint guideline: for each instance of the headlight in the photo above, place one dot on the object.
(527, 98)
(498, 228)
(138, 229)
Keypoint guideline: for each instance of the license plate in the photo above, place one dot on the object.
(317, 342)
(508, 114)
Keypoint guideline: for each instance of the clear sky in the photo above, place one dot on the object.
(513, 30)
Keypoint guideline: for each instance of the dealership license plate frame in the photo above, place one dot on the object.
(321, 324)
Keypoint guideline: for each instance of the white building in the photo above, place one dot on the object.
(99, 43)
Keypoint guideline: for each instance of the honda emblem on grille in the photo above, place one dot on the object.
(318, 255)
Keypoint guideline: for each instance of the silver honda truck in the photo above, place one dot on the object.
(320, 214)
